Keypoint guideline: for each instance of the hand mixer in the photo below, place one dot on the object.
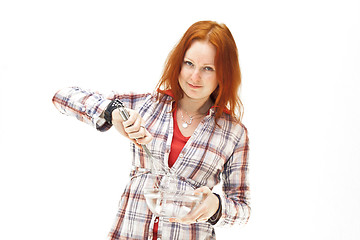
(157, 164)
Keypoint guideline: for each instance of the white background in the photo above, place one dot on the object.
(61, 179)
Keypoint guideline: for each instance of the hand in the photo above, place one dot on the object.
(204, 211)
(133, 128)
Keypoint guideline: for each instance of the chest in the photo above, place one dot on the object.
(186, 128)
(205, 152)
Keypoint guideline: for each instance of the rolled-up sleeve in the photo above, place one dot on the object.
(85, 105)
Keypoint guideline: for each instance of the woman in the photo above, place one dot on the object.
(192, 122)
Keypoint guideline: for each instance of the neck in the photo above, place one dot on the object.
(195, 106)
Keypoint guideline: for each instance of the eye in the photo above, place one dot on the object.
(208, 69)
(188, 63)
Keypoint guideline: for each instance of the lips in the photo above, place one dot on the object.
(194, 86)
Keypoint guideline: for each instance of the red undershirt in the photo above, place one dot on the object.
(177, 144)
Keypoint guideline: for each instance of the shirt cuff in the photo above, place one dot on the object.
(100, 121)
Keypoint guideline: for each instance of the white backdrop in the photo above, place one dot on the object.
(61, 179)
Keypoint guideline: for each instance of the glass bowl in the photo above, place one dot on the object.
(174, 204)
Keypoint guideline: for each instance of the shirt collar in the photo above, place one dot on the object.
(166, 92)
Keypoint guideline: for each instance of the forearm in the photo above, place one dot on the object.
(84, 105)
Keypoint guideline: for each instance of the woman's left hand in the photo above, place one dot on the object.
(204, 211)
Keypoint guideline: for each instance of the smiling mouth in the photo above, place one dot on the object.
(193, 86)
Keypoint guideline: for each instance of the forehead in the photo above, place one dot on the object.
(201, 51)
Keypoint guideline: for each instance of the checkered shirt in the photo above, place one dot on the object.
(211, 154)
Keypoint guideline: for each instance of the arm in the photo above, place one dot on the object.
(236, 201)
(89, 107)
(234, 206)
(84, 105)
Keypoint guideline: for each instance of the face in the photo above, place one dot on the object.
(197, 76)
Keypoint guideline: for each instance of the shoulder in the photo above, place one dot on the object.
(232, 127)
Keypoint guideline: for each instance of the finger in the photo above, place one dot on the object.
(204, 190)
(204, 210)
(136, 143)
(194, 215)
(145, 140)
(135, 127)
(116, 116)
(131, 120)
(138, 135)
(202, 218)
(189, 221)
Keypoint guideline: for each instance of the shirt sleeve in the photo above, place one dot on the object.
(88, 106)
(236, 199)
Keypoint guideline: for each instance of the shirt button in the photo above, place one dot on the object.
(181, 155)
(159, 239)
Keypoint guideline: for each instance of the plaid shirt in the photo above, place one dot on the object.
(212, 153)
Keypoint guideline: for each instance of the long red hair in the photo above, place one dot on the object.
(226, 64)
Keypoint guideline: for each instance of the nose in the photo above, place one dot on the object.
(196, 76)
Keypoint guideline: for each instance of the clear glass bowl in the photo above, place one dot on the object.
(174, 204)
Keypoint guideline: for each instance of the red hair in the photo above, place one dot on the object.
(226, 64)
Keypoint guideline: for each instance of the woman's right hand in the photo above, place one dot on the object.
(133, 128)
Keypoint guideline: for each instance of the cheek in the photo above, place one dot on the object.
(213, 83)
(216, 84)
(182, 78)
(181, 75)
(185, 73)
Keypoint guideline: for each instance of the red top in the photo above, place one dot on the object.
(178, 142)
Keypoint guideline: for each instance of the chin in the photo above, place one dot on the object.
(195, 96)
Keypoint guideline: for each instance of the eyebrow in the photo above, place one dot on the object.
(207, 64)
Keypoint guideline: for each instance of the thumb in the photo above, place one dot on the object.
(204, 189)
